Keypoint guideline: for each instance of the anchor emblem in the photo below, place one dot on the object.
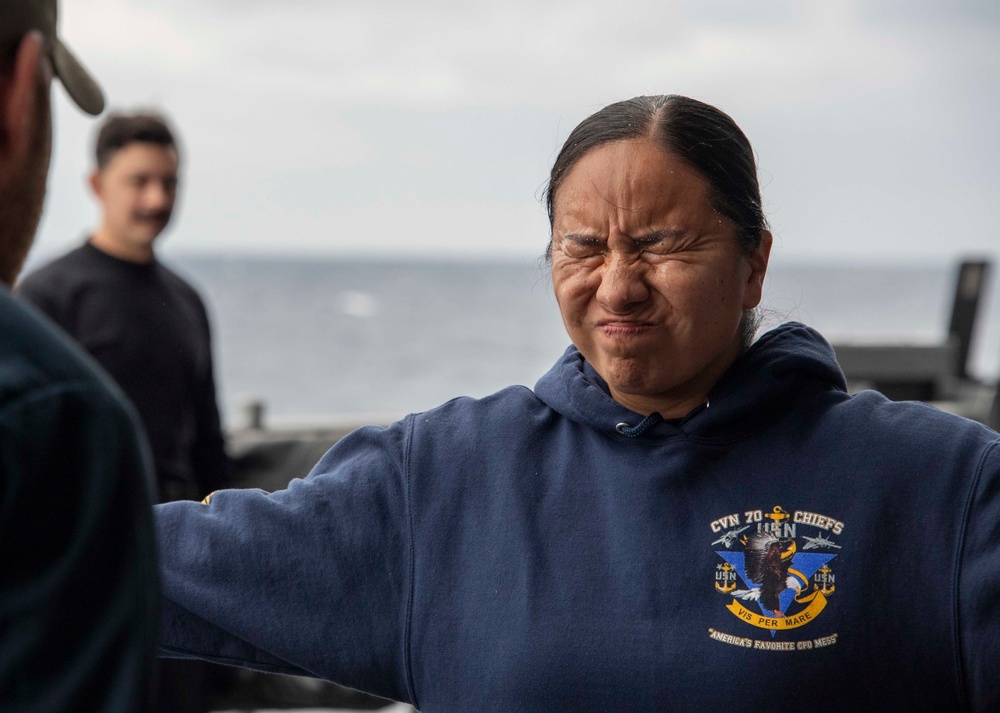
(777, 515)
(727, 576)
(824, 580)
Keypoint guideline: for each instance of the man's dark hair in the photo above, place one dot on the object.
(120, 130)
(702, 136)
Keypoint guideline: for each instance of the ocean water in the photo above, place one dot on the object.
(315, 339)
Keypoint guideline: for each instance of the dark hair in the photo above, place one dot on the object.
(706, 138)
(120, 130)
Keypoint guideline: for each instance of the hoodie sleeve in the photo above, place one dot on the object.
(979, 588)
(310, 580)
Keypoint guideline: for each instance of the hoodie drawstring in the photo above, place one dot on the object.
(640, 428)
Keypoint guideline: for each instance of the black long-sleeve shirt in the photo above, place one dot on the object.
(148, 328)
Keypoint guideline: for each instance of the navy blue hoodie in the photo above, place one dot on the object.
(786, 547)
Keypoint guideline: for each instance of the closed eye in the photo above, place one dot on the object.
(583, 246)
(660, 241)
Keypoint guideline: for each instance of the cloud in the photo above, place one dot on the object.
(873, 120)
(447, 55)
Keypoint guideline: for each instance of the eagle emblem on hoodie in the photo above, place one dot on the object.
(775, 571)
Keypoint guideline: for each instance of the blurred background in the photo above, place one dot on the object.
(361, 180)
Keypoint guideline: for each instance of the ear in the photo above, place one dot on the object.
(17, 100)
(757, 268)
(94, 181)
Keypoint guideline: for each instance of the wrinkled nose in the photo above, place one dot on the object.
(623, 284)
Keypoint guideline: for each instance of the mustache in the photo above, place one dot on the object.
(161, 215)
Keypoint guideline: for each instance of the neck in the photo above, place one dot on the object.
(668, 408)
(105, 241)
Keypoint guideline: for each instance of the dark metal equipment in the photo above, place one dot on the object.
(924, 372)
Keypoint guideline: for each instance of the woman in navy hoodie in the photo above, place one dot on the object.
(673, 519)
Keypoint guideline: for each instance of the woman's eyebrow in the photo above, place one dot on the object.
(658, 235)
(581, 238)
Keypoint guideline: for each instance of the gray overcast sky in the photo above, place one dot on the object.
(350, 127)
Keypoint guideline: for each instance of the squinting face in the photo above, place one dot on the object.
(650, 280)
(137, 189)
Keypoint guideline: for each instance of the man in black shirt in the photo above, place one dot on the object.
(147, 327)
(143, 323)
(79, 590)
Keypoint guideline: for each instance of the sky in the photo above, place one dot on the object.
(427, 130)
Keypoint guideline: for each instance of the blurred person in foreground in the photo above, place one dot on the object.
(79, 593)
(146, 326)
(677, 517)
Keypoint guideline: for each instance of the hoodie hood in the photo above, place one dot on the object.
(786, 364)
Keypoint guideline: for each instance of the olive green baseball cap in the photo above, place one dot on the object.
(19, 17)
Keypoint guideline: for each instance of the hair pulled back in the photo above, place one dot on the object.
(704, 137)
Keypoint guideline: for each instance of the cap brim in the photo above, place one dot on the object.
(80, 86)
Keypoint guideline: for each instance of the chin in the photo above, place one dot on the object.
(629, 376)
(145, 238)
